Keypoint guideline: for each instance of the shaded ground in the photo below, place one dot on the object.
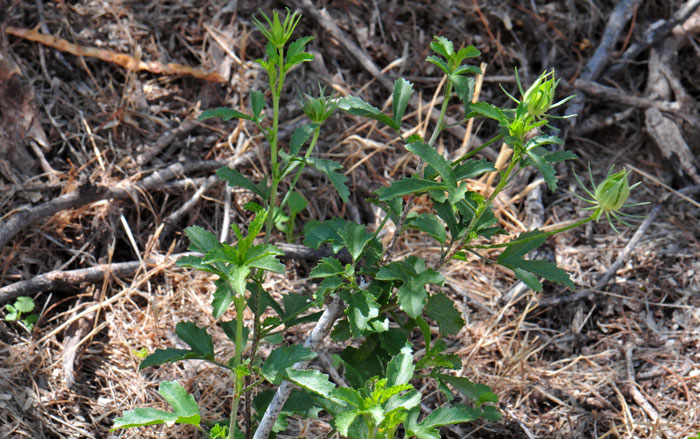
(618, 357)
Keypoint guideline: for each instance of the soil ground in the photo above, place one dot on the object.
(618, 357)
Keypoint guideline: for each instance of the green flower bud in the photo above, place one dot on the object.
(318, 109)
(612, 193)
(540, 95)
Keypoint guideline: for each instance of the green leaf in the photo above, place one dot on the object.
(414, 276)
(439, 417)
(327, 286)
(464, 88)
(201, 240)
(559, 156)
(446, 212)
(327, 267)
(185, 410)
(237, 276)
(361, 308)
(311, 380)
(195, 337)
(296, 202)
(442, 46)
(236, 179)
(274, 369)
(467, 52)
(338, 180)
(349, 395)
(547, 170)
(402, 94)
(24, 304)
(400, 369)
(529, 271)
(473, 168)
(222, 298)
(429, 224)
(439, 63)
(354, 237)
(224, 113)
(296, 54)
(299, 138)
(435, 160)
(344, 420)
(317, 233)
(12, 313)
(358, 107)
(294, 304)
(442, 309)
(408, 186)
(487, 110)
(257, 102)
(479, 393)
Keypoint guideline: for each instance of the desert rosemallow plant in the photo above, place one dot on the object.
(385, 305)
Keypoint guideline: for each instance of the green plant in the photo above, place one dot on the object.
(382, 303)
(21, 311)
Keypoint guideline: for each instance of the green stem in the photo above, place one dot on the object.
(443, 110)
(538, 236)
(314, 139)
(237, 381)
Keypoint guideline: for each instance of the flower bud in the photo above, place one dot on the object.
(318, 109)
(540, 95)
(612, 193)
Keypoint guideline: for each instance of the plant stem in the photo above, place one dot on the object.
(578, 223)
(443, 110)
(314, 139)
(237, 381)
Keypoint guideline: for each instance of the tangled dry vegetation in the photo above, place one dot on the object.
(103, 164)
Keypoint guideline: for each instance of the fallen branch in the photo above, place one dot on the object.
(321, 331)
(126, 61)
(88, 193)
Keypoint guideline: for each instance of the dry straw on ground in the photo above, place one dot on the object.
(614, 359)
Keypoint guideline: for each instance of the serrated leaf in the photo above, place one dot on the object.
(327, 286)
(237, 276)
(456, 414)
(24, 304)
(299, 138)
(225, 114)
(361, 308)
(464, 88)
(298, 59)
(296, 202)
(479, 393)
(196, 338)
(429, 224)
(400, 369)
(338, 180)
(442, 46)
(201, 240)
(344, 420)
(487, 110)
(185, 410)
(222, 298)
(402, 94)
(467, 52)
(442, 309)
(472, 169)
(414, 276)
(358, 107)
(236, 179)
(327, 267)
(529, 271)
(354, 237)
(317, 233)
(435, 160)
(408, 186)
(276, 364)
(545, 168)
(559, 156)
(350, 396)
(439, 63)
(311, 380)
(294, 304)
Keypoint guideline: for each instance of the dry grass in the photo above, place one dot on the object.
(561, 371)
